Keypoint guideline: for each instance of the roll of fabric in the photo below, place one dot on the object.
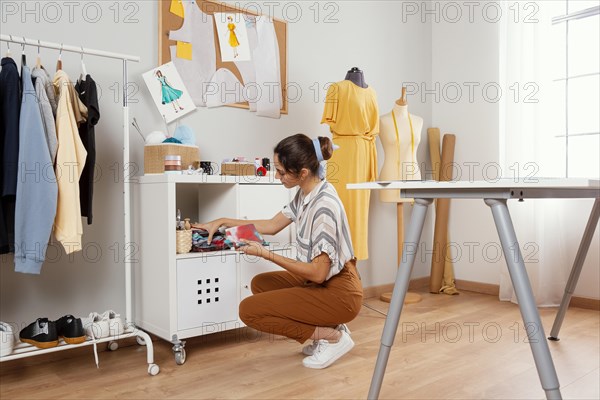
(442, 210)
(448, 283)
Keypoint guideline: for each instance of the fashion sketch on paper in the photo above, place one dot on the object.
(233, 40)
(170, 95)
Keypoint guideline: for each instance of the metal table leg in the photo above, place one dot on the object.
(409, 252)
(529, 312)
(584, 246)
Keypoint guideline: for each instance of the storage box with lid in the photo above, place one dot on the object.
(238, 168)
(154, 156)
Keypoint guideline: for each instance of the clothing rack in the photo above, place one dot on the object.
(131, 330)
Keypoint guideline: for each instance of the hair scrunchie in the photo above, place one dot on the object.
(317, 146)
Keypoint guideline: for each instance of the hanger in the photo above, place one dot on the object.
(8, 46)
(38, 60)
(23, 56)
(83, 70)
(59, 62)
(402, 100)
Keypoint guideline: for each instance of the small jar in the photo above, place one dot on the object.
(173, 164)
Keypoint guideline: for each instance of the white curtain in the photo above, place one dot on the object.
(529, 114)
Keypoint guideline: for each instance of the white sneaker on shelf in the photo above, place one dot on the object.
(115, 323)
(327, 353)
(7, 339)
(95, 326)
(309, 349)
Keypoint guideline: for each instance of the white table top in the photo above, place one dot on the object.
(502, 188)
(508, 183)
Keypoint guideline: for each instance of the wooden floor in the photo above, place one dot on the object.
(469, 346)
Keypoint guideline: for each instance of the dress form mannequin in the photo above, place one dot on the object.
(355, 75)
(400, 134)
(400, 149)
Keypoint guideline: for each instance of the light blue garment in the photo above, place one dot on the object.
(47, 109)
(37, 189)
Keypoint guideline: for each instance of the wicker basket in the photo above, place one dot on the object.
(154, 156)
(183, 241)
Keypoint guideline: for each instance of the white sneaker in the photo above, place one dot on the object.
(95, 327)
(115, 323)
(7, 339)
(309, 349)
(327, 353)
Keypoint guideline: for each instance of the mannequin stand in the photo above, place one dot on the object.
(410, 296)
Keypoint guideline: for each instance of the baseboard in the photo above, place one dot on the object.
(376, 291)
(470, 286)
(585, 302)
(478, 287)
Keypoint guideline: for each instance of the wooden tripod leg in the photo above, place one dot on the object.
(410, 297)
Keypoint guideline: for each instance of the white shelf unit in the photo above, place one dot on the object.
(23, 350)
(178, 296)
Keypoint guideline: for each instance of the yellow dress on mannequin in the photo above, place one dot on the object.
(353, 117)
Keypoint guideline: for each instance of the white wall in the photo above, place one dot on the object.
(465, 59)
(466, 55)
(319, 52)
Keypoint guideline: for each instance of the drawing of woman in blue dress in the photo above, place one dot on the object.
(170, 95)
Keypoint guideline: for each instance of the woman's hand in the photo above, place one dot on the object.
(211, 227)
(253, 248)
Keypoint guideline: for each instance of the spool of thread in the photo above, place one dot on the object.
(261, 171)
(266, 163)
(173, 164)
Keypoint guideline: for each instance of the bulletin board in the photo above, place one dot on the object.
(168, 21)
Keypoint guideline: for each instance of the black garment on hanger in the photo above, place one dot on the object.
(89, 97)
(10, 108)
(355, 75)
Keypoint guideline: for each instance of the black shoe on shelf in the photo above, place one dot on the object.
(41, 333)
(70, 329)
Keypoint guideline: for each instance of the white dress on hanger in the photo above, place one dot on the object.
(247, 68)
(197, 29)
(268, 77)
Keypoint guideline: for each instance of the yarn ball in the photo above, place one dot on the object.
(185, 135)
(155, 137)
(172, 140)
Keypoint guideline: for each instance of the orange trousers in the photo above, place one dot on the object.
(285, 304)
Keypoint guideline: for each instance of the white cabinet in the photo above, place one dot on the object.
(184, 295)
(206, 292)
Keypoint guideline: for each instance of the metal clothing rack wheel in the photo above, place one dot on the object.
(132, 331)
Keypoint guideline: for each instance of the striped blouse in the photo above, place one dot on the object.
(322, 226)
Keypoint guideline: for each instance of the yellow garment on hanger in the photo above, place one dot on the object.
(184, 50)
(176, 8)
(353, 117)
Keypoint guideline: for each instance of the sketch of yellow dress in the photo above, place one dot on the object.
(233, 40)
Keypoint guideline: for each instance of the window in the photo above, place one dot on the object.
(576, 75)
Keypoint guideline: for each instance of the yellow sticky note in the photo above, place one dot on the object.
(184, 50)
(177, 8)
